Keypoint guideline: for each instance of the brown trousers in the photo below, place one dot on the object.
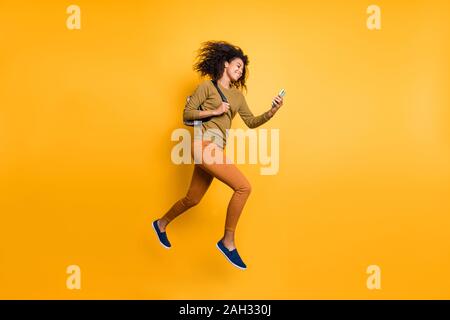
(202, 177)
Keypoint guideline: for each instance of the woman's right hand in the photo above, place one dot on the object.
(221, 109)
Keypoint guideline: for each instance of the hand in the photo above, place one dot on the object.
(278, 103)
(221, 109)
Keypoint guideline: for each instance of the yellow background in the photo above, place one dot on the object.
(85, 123)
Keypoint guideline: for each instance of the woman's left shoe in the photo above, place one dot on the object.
(162, 236)
(232, 256)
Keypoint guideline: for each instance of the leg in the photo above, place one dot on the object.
(229, 174)
(200, 182)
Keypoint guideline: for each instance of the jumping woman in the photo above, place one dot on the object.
(226, 65)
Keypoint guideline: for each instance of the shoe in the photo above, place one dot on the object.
(162, 236)
(232, 256)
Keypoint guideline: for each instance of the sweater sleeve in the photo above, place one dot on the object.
(199, 96)
(250, 120)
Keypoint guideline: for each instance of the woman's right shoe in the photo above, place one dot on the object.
(162, 236)
(232, 256)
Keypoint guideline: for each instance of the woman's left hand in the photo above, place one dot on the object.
(278, 103)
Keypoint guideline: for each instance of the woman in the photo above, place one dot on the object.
(226, 64)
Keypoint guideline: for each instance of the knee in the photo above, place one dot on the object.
(190, 201)
(245, 188)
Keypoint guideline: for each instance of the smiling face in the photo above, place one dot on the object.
(234, 69)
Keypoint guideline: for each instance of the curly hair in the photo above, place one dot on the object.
(211, 59)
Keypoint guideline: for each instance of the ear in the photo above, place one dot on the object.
(226, 64)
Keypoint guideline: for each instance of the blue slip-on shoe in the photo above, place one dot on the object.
(162, 236)
(232, 256)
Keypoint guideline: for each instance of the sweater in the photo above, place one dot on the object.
(208, 98)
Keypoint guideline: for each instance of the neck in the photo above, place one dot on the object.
(224, 82)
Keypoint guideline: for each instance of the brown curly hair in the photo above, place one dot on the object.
(211, 59)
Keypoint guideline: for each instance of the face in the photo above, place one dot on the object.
(234, 69)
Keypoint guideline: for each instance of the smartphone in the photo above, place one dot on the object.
(281, 94)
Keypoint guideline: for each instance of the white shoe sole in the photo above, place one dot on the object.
(156, 232)
(217, 246)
